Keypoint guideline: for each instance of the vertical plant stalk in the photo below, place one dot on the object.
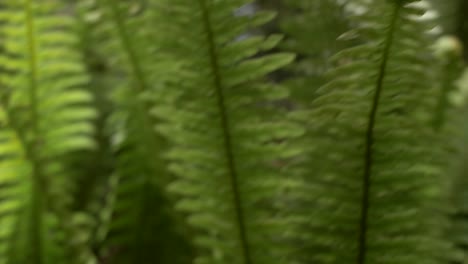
(225, 125)
(37, 202)
(144, 119)
(116, 13)
(369, 141)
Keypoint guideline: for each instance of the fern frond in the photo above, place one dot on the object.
(376, 192)
(144, 227)
(50, 112)
(13, 182)
(226, 131)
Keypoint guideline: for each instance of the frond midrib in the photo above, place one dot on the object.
(127, 45)
(37, 202)
(225, 126)
(149, 135)
(142, 83)
(143, 109)
(369, 140)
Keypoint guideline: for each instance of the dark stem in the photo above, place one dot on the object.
(368, 156)
(226, 131)
(33, 147)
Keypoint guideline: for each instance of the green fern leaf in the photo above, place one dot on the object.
(226, 132)
(376, 192)
(144, 226)
(50, 112)
(13, 181)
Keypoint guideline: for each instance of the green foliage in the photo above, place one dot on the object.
(48, 113)
(13, 182)
(386, 195)
(122, 36)
(227, 135)
(315, 41)
(214, 132)
(459, 229)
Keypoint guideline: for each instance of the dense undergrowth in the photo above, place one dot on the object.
(232, 132)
